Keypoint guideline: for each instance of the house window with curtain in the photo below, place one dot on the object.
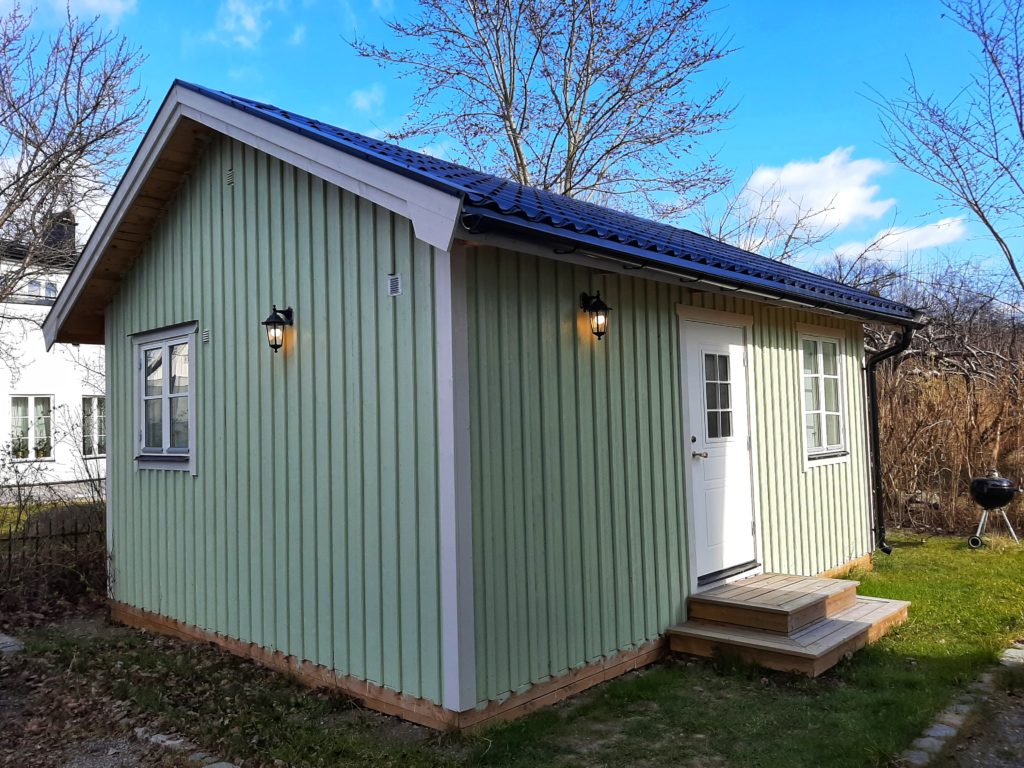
(165, 399)
(94, 426)
(824, 415)
(32, 427)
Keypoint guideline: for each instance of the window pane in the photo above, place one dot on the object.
(813, 430)
(810, 356)
(179, 422)
(832, 429)
(710, 368)
(832, 395)
(711, 390)
(154, 426)
(723, 367)
(154, 371)
(726, 418)
(101, 425)
(43, 443)
(179, 369)
(87, 426)
(829, 356)
(19, 427)
(724, 398)
(811, 396)
(712, 424)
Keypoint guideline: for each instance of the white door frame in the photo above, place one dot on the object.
(746, 324)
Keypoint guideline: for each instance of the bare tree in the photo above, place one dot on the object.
(597, 99)
(69, 108)
(972, 146)
(765, 221)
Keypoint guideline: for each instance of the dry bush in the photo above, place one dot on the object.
(951, 408)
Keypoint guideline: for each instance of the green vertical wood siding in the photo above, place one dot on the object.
(580, 535)
(311, 526)
(579, 542)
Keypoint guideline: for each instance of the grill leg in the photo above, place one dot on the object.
(981, 525)
(1010, 528)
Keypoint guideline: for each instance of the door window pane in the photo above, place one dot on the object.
(710, 368)
(717, 396)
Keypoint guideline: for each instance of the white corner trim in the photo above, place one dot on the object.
(458, 637)
(434, 213)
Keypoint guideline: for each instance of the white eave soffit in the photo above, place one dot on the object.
(434, 214)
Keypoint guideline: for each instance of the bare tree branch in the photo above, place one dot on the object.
(972, 146)
(598, 99)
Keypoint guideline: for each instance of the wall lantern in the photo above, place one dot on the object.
(598, 312)
(275, 324)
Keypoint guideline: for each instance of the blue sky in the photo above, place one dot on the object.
(800, 78)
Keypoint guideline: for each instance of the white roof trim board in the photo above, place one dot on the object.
(434, 213)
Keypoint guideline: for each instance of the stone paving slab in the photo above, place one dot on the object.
(10, 644)
(949, 722)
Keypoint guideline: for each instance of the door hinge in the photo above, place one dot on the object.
(753, 529)
(748, 443)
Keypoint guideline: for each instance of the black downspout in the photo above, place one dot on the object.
(876, 447)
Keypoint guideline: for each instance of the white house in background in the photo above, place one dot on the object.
(52, 404)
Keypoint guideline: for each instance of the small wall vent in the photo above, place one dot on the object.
(206, 336)
(394, 285)
(229, 177)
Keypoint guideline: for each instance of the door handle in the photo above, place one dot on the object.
(700, 454)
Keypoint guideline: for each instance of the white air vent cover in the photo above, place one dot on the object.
(206, 336)
(394, 285)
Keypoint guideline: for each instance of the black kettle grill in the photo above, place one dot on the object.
(992, 492)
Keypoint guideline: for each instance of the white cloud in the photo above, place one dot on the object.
(383, 6)
(241, 22)
(900, 241)
(368, 100)
(836, 184)
(298, 35)
(115, 9)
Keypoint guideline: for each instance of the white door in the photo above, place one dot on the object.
(717, 451)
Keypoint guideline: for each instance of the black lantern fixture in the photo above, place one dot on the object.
(598, 311)
(275, 324)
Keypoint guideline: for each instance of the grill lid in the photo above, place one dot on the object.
(993, 491)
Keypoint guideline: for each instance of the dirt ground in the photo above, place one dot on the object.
(50, 719)
(994, 738)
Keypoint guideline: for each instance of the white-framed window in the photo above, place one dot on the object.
(165, 415)
(824, 409)
(94, 426)
(32, 427)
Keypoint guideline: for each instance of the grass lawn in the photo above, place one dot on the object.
(967, 606)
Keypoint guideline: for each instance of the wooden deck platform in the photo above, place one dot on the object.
(789, 623)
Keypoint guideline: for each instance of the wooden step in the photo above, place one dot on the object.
(773, 602)
(810, 650)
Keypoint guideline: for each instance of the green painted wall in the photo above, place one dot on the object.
(312, 524)
(577, 482)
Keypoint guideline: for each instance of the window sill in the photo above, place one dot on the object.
(34, 461)
(178, 462)
(826, 459)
